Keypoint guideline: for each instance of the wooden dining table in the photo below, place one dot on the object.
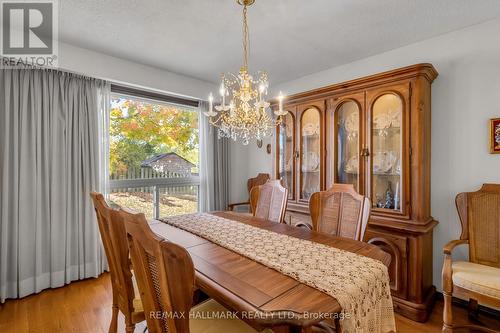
(261, 295)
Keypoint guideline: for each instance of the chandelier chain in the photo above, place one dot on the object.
(246, 38)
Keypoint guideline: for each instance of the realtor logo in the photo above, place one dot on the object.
(29, 32)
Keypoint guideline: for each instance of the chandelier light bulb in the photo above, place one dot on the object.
(210, 102)
(281, 97)
(262, 88)
(210, 112)
(222, 91)
(280, 112)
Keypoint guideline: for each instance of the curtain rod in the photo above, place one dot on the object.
(4, 65)
(116, 87)
(148, 94)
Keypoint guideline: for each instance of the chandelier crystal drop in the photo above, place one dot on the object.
(246, 116)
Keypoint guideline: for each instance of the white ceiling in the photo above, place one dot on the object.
(289, 38)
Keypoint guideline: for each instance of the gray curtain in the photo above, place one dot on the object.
(215, 166)
(51, 128)
(222, 168)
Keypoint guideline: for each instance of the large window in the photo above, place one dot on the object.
(154, 156)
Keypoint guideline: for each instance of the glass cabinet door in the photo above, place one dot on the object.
(286, 160)
(386, 153)
(310, 153)
(347, 127)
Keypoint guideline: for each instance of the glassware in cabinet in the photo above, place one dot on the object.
(310, 158)
(347, 143)
(387, 152)
(286, 153)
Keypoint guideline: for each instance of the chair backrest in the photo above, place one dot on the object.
(165, 276)
(261, 179)
(479, 214)
(114, 239)
(269, 201)
(340, 211)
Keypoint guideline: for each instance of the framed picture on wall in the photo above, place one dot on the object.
(495, 136)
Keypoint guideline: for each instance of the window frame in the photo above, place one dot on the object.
(156, 183)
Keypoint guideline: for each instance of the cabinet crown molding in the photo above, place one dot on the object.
(423, 69)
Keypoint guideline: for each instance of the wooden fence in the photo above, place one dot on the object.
(150, 174)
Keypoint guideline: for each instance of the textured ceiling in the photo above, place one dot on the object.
(289, 38)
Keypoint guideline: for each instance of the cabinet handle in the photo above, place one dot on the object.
(296, 154)
(365, 152)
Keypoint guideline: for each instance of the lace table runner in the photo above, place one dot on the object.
(360, 284)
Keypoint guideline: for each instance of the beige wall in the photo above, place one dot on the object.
(103, 66)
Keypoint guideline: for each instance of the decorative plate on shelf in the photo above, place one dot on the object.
(316, 129)
(352, 122)
(381, 121)
(352, 165)
(308, 129)
(383, 161)
(395, 117)
(310, 162)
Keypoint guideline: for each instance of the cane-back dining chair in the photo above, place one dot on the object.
(166, 280)
(268, 201)
(479, 278)
(261, 179)
(339, 211)
(125, 295)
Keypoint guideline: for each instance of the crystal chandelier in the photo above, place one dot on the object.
(246, 116)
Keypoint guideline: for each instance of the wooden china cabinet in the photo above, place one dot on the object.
(373, 132)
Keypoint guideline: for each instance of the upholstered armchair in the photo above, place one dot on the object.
(478, 279)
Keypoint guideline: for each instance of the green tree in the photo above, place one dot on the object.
(141, 129)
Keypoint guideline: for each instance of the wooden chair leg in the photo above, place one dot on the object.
(113, 326)
(325, 327)
(129, 324)
(448, 325)
(297, 329)
(447, 313)
(473, 309)
(130, 328)
(338, 328)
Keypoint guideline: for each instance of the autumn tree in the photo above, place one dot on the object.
(140, 129)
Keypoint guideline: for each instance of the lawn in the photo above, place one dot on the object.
(170, 204)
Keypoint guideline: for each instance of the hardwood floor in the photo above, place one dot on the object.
(85, 307)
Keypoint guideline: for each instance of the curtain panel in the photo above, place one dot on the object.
(214, 166)
(53, 154)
